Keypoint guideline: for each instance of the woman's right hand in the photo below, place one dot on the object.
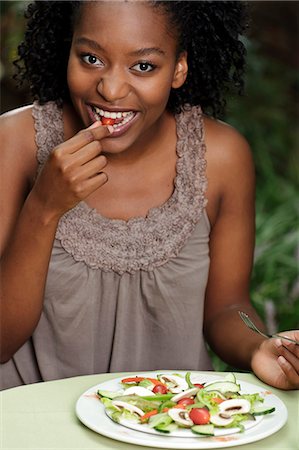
(73, 171)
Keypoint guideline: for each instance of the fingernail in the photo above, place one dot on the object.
(95, 125)
(110, 128)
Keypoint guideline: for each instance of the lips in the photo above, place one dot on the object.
(117, 119)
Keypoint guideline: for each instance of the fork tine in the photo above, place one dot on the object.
(251, 324)
(245, 319)
(248, 322)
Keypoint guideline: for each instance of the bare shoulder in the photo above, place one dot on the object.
(224, 143)
(18, 121)
(230, 167)
(228, 152)
(17, 135)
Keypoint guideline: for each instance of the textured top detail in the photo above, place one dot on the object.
(49, 131)
(100, 313)
(142, 242)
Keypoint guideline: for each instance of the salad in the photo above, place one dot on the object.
(173, 401)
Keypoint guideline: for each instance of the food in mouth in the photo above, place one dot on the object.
(116, 119)
(107, 121)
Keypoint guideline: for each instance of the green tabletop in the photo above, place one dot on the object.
(42, 416)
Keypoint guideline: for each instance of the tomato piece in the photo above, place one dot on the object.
(186, 401)
(160, 389)
(107, 121)
(200, 416)
(132, 380)
(217, 400)
(198, 385)
(156, 382)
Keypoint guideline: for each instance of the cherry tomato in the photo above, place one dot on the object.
(200, 416)
(107, 121)
(186, 401)
(160, 389)
(200, 386)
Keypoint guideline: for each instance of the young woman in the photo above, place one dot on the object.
(127, 227)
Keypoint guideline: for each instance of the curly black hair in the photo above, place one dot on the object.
(209, 31)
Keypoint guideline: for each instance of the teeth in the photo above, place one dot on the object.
(126, 116)
(112, 115)
(124, 121)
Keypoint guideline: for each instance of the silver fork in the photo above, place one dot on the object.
(248, 322)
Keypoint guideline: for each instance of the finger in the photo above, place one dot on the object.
(93, 183)
(99, 131)
(289, 371)
(84, 137)
(92, 168)
(293, 334)
(293, 348)
(86, 153)
(288, 354)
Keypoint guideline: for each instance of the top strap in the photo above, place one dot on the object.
(49, 131)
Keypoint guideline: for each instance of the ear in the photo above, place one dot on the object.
(180, 72)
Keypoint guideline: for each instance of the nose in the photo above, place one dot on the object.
(113, 86)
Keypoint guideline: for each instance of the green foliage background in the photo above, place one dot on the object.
(268, 117)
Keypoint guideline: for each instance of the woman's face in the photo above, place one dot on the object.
(122, 66)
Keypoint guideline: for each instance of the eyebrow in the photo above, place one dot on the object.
(140, 52)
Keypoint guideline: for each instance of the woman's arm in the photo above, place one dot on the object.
(231, 196)
(30, 218)
(25, 236)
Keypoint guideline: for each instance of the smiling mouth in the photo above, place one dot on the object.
(116, 119)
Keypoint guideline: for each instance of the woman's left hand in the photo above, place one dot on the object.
(276, 361)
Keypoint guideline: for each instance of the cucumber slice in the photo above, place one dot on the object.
(262, 410)
(109, 394)
(230, 377)
(223, 386)
(158, 397)
(166, 428)
(218, 394)
(160, 420)
(205, 430)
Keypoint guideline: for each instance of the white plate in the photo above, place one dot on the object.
(91, 412)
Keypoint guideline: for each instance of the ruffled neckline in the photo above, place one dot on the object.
(140, 243)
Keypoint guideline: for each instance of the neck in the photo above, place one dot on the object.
(158, 137)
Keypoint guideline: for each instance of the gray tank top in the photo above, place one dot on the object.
(123, 295)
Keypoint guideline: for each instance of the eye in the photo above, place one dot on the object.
(91, 60)
(144, 67)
